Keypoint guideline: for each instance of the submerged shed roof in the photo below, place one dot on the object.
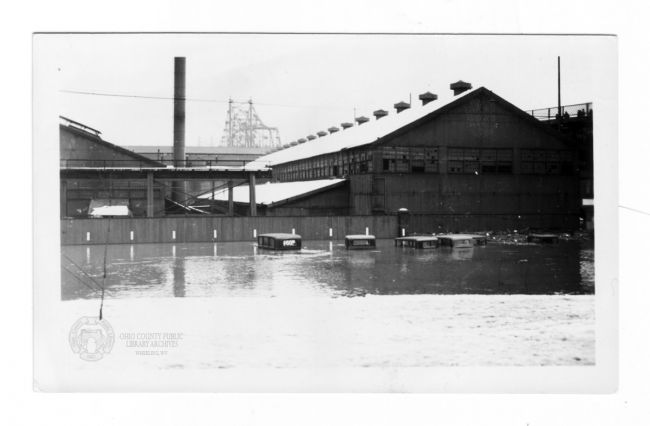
(357, 135)
(274, 193)
(109, 207)
(110, 211)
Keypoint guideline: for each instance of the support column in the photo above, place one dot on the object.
(212, 198)
(150, 208)
(251, 192)
(64, 198)
(231, 206)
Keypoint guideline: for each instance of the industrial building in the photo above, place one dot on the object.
(325, 197)
(202, 155)
(101, 179)
(82, 147)
(474, 161)
(576, 122)
(198, 156)
(469, 161)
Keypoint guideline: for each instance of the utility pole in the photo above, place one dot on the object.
(559, 98)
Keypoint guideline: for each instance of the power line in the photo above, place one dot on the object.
(122, 95)
(219, 101)
(302, 106)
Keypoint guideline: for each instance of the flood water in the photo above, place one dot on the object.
(324, 268)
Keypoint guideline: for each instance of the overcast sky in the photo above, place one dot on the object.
(302, 83)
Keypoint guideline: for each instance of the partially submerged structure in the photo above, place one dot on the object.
(324, 197)
(474, 161)
(100, 208)
(93, 169)
(466, 162)
(82, 148)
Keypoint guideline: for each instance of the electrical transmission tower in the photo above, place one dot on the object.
(244, 128)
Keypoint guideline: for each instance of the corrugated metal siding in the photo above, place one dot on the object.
(469, 194)
(361, 194)
(201, 229)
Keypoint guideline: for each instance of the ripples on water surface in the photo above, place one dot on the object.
(325, 268)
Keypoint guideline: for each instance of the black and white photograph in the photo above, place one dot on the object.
(305, 212)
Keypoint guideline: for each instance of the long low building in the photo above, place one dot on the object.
(101, 179)
(474, 161)
(202, 155)
(323, 197)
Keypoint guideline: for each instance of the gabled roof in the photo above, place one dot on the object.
(272, 194)
(358, 135)
(473, 94)
(392, 125)
(98, 140)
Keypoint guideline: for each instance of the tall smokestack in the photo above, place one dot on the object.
(179, 111)
(178, 187)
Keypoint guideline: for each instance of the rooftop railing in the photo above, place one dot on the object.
(566, 111)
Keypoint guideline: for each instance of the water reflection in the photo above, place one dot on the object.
(178, 272)
(325, 268)
(462, 253)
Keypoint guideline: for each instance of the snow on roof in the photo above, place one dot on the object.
(280, 235)
(270, 193)
(110, 211)
(460, 236)
(355, 136)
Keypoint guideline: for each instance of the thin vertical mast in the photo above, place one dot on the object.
(559, 92)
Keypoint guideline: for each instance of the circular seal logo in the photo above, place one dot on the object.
(91, 338)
